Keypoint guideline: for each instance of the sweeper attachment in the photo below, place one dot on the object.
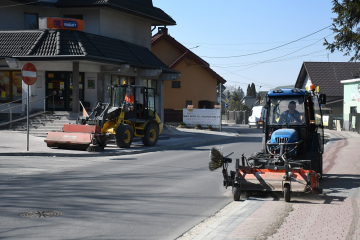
(291, 155)
(130, 114)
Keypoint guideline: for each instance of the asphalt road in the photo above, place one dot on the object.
(158, 195)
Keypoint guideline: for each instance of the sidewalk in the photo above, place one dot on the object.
(15, 143)
(331, 215)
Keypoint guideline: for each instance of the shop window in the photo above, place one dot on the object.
(10, 86)
(31, 21)
(188, 102)
(175, 84)
(150, 83)
(122, 80)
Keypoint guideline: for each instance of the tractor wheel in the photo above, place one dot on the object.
(124, 136)
(287, 193)
(236, 192)
(151, 135)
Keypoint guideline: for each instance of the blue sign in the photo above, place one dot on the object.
(66, 24)
(226, 105)
(70, 24)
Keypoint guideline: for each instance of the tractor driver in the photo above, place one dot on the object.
(291, 116)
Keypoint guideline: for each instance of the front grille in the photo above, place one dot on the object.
(282, 139)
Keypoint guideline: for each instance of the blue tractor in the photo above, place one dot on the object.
(292, 147)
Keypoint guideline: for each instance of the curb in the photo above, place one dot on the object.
(117, 153)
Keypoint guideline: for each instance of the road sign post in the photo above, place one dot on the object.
(29, 76)
(220, 89)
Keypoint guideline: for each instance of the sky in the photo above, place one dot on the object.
(254, 41)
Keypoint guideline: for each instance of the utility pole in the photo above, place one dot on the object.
(220, 107)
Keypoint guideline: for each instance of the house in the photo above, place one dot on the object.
(351, 101)
(80, 49)
(327, 75)
(249, 101)
(197, 84)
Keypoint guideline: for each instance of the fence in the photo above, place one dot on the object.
(334, 121)
(236, 117)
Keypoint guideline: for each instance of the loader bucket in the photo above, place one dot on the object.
(255, 179)
(73, 136)
(67, 140)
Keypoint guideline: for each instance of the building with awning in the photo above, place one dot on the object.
(80, 49)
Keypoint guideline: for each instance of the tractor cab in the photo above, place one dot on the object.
(294, 116)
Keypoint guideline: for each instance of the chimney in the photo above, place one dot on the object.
(163, 30)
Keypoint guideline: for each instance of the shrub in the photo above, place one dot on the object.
(198, 126)
(209, 127)
(182, 125)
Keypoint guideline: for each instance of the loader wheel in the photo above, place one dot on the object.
(151, 135)
(124, 136)
(287, 193)
(236, 192)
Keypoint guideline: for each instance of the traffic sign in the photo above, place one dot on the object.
(226, 100)
(29, 73)
(220, 86)
(226, 105)
(220, 97)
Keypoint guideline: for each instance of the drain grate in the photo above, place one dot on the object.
(38, 214)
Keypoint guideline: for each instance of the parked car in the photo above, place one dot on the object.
(257, 113)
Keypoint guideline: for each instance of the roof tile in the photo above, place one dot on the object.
(328, 75)
(45, 43)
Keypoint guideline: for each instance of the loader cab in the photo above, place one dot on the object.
(138, 102)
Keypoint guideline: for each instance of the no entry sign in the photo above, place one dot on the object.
(29, 73)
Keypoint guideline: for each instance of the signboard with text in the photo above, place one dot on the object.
(61, 23)
(204, 117)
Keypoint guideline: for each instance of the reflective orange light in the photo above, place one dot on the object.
(312, 87)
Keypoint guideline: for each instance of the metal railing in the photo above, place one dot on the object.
(20, 105)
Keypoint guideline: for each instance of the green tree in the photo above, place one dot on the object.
(234, 96)
(241, 92)
(252, 90)
(345, 25)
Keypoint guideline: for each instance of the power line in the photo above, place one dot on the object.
(242, 50)
(263, 84)
(245, 64)
(270, 48)
(285, 54)
(236, 44)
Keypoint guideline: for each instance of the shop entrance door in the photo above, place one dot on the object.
(60, 85)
